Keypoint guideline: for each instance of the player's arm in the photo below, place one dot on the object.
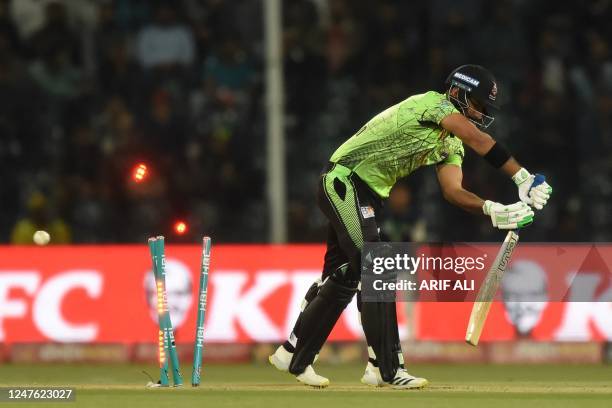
(477, 140)
(450, 178)
(483, 144)
(511, 216)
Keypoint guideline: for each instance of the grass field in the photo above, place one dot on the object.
(115, 386)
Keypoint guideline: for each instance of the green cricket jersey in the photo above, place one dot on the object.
(401, 139)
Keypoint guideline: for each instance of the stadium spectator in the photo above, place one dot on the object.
(56, 75)
(10, 43)
(165, 43)
(88, 88)
(55, 37)
(401, 221)
(38, 218)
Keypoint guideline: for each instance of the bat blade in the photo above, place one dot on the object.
(489, 287)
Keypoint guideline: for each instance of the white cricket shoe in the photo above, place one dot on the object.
(309, 377)
(402, 380)
(281, 359)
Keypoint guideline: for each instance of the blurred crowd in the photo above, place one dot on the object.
(89, 89)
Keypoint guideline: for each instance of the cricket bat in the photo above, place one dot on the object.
(487, 291)
(489, 287)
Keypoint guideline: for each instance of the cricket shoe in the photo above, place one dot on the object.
(309, 377)
(402, 380)
(281, 360)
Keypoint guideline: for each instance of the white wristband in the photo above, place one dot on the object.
(520, 176)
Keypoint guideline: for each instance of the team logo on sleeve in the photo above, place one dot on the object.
(367, 211)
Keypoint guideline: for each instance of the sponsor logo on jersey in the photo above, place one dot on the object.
(466, 78)
(367, 211)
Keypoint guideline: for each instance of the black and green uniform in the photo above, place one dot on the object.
(359, 176)
(363, 169)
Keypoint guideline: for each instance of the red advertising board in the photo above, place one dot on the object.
(99, 294)
(562, 293)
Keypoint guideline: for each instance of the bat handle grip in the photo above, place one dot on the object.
(538, 179)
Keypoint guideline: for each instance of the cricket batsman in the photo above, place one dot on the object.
(423, 130)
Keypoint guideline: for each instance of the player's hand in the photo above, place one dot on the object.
(505, 217)
(535, 196)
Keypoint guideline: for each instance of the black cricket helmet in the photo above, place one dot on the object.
(477, 83)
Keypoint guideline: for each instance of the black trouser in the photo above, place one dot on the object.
(351, 208)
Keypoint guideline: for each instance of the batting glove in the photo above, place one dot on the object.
(536, 196)
(505, 217)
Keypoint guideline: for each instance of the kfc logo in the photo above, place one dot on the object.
(178, 290)
(45, 300)
(525, 294)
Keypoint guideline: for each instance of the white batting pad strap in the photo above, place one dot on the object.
(293, 339)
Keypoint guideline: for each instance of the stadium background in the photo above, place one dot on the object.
(83, 100)
(89, 89)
